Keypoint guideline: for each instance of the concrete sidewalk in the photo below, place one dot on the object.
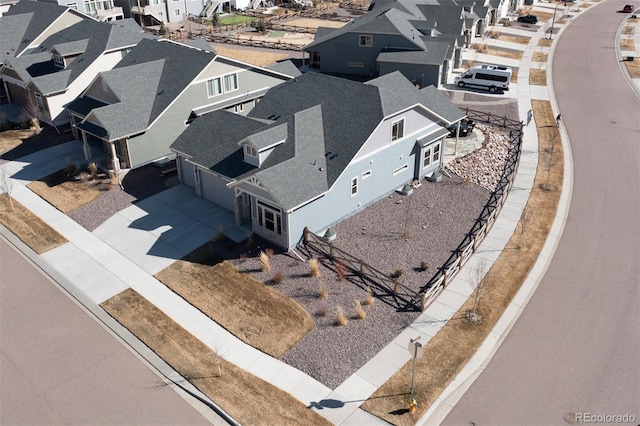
(141, 240)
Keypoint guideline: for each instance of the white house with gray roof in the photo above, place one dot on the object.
(420, 38)
(134, 112)
(56, 72)
(314, 151)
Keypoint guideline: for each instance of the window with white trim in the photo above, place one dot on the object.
(431, 155)
(354, 186)
(397, 130)
(176, 12)
(269, 217)
(238, 108)
(219, 85)
(401, 169)
(251, 151)
(365, 40)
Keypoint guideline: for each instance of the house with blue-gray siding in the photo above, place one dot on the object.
(422, 39)
(134, 112)
(314, 151)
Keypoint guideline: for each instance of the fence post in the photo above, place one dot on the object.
(305, 235)
(361, 267)
(395, 286)
(423, 302)
(331, 250)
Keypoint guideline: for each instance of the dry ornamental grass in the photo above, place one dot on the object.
(28, 227)
(245, 397)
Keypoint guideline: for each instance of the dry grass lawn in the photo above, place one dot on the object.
(514, 38)
(64, 194)
(10, 139)
(633, 67)
(315, 23)
(245, 397)
(545, 42)
(497, 51)
(255, 313)
(627, 44)
(538, 77)
(450, 350)
(28, 227)
(539, 57)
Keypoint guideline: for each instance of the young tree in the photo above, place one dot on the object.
(479, 283)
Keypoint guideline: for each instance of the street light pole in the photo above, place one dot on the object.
(553, 21)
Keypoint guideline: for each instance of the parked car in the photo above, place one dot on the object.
(628, 8)
(528, 19)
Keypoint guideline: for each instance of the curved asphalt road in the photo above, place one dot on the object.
(59, 366)
(576, 346)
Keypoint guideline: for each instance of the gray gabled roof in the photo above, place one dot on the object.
(85, 41)
(24, 22)
(327, 121)
(409, 18)
(434, 54)
(285, 67)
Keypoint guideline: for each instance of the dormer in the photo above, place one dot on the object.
(256, 148)
(65, 53)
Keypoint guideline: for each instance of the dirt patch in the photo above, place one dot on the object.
(255, 313)
(252, 56)
(69, 189)
(451, 349)
(538, 77)
(314, 23)
(633, 67)
(245, 397)
(28, 227)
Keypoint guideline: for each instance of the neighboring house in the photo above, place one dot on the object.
(55, 73)
(136, 110)
(314, 151)
(420, 38)
(156, 12)
(102, 10)
(28, 23)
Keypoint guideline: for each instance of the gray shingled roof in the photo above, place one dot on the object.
(406, 17)
(87, 40)
(268, 137)
(327, 119)
(24, 22)
(285, 67)
(180, 66)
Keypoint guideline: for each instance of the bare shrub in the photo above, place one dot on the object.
(83, 176)
(314, 267)
(243, 257)
(278, 278)
(341, 319)
(396, 274)
(494, 33)
(341, 271)
(423, 266)
(264, 259)
(6, 185)
(481, 48)
(360, 313)
(93, 170)
(269, 252)
(321, 312)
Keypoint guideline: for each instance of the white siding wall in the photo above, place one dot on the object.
(57, 103)
(415, 122)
